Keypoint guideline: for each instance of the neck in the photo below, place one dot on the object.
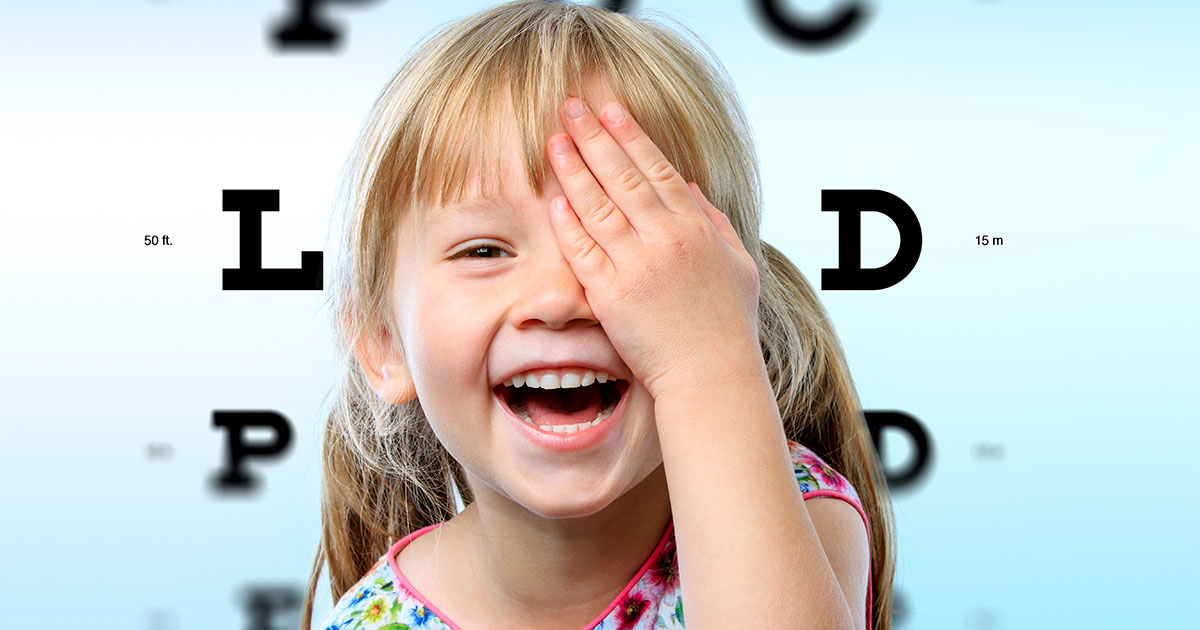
(569, 568)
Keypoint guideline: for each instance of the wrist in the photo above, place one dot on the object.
(745, 373)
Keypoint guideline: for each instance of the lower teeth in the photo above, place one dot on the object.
(523, 413)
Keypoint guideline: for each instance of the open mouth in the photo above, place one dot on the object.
(566, 409)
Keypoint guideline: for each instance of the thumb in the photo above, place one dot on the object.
(718, 218)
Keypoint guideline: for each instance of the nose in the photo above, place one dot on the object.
(550, 294)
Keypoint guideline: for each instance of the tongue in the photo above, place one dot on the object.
(563, 406)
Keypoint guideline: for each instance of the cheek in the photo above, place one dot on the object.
(453, 317)
(443, 346)
(451, 330)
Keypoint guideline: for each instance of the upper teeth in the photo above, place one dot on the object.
(550, 380)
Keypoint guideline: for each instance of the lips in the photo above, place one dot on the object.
(610, 392)
(563, 442)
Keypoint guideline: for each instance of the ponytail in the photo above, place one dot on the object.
(820, 407)
(377, 486)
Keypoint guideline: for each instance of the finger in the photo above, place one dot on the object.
(657, 171)
(719, 219)
(598, 214)
(613, 169)
(588, 260)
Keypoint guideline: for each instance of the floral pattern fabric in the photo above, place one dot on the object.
(385, 600)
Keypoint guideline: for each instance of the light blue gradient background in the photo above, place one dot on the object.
(1067, 128)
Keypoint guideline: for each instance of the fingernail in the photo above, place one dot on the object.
(615, 114)
(576, 108)
(561, 145)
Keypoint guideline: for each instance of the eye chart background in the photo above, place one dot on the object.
(1054, 373)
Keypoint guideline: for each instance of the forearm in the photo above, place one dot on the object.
(746, 545)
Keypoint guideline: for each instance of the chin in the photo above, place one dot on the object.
(576, 493)
(564, 499)
(561, 511)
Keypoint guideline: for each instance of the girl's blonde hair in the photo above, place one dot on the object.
(385, 473)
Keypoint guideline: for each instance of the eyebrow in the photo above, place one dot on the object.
(478, 208)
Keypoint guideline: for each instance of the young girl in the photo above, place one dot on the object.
(641, 405)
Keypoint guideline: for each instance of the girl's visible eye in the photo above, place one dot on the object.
(470, 252)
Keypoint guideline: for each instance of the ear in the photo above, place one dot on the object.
(383, 367)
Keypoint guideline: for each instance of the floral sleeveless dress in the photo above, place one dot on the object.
(385, 600)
